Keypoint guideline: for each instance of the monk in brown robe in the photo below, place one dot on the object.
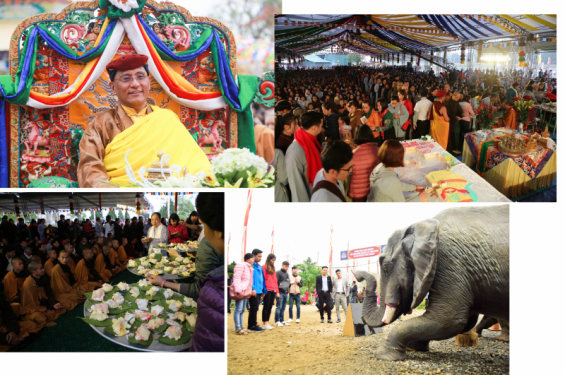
(115, 256)
(97, 248)
(13, 331)
(38, 302)
(14, 280)
(71, 256)
(508, 119)
(86, 276)
(51, 261)
(103, 265)
(62, 281)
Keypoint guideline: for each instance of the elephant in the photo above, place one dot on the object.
(461, 257)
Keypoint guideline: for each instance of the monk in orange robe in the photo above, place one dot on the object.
(97, 248)
(122, 254)
(86, 276)
(51, 261)
(13, 331)
(14, 280)
(38, 302)
(71, 256)
(103, 265)
(508, 119)
(62, 281)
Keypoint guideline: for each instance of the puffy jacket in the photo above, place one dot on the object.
(258, 279)
(209, 330)
(271, 282)
(242, 277)
(365, 159)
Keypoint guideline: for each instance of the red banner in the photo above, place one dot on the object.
(365, 252)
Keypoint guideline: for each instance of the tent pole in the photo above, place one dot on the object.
(176, 201)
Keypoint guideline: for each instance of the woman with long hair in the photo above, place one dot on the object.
(193, 226)
(385, 118)
(272, 289)
(284, 131)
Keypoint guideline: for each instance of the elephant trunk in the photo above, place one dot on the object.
(372, 315)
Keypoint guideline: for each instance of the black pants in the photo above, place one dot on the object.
(325, 297)
(451, 140)
(254, 303)
(464, 128)
(268, 302)
(423, 127)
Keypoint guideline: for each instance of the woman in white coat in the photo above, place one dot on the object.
(157, 234)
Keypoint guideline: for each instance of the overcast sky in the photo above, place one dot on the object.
(303, 230)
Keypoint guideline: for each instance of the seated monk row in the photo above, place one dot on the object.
(14, 332)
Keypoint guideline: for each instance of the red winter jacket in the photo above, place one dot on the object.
(270, 280)
(365, 159)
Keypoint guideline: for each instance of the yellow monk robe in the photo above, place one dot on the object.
(100, 266)
(67, 296)
(49, 266)
(96, 250)
(31, 308)
(508, 120)
(123, 257)
(9, 320)
(82, 274)
(439, 128)
(159, 130)
(113, 257)
(71, 263)
(12, 286)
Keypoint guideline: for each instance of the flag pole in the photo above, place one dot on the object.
(245, 220)
(331, 247)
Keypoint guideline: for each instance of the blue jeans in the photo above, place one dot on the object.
(281, 305)
(238, 314)
(292, 299)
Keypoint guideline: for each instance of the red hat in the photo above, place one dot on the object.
(527, 97)
(440, 93)
(127, 62)
(516, 99)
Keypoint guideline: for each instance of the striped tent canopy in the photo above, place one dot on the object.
(372, 34)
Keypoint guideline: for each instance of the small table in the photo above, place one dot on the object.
(511, 176)
(541, 109)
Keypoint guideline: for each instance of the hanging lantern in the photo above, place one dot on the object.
(71, 204)
(522, 52)
(463, 53)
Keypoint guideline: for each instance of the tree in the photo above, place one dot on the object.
(127, 216)
(112, 214)
(308, 272)
(354, 59)
(185, 207)
(252, 18)
(121, 215)
(231, 266)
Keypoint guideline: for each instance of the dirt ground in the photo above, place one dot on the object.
(310, 347)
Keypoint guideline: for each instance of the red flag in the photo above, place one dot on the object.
(245, 220)
(273, 241)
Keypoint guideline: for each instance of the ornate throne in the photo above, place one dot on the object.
(43, 130)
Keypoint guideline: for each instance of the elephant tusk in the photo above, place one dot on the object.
(389, 314)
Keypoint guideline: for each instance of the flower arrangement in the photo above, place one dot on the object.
(485, 116)
(523, 110)
(233, 168)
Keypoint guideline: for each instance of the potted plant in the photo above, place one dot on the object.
(485, 116)
(523, 112)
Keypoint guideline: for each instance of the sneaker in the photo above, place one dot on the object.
(255, 329)
(267, 326)
(297, 320)
(322, 320)
(290, 320)
(329, 321)
(278, 324)
(284, 324)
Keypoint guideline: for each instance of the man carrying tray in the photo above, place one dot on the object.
(133, 126)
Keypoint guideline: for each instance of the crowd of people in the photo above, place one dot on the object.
(46, 269)
(338, 132)
(253, 285)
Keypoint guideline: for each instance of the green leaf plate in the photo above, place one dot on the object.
(162, 328)
(88, 295)
(132, 340)
(125, 307)
(110, 331)
(186, 335)
(96, 323)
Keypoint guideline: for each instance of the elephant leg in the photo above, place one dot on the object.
(470, 323)
(421, 330)
(486, 322)
(505, 331)
(419, 346)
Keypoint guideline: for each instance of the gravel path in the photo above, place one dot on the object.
(311, 347)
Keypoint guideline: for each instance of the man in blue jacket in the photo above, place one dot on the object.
(259, 289)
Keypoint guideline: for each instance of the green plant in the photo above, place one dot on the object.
(231, 266)
(523, 110)
(485, 116)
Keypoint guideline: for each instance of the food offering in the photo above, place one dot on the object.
(141, 316)
(168, 267)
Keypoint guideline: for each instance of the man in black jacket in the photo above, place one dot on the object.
(284, 286)
(323, 288)
(354, 293)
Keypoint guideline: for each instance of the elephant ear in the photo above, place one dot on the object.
(420, 243)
